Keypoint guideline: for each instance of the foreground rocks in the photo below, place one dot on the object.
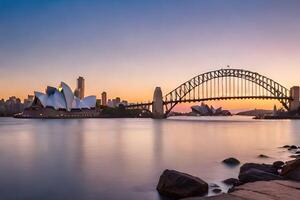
(177, 185)
(232, 181)
(262, 167)
(291, 170)
(278, 164)
(251, 172)
(231, 161)
(253, 175)
(278, 180)
(261, 190)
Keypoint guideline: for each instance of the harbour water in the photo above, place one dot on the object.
(123, 158)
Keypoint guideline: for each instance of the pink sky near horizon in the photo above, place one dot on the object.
(129, 49)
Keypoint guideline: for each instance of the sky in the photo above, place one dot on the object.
(127, 48)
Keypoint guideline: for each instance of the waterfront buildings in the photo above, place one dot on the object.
(112, 102)
(11, 106)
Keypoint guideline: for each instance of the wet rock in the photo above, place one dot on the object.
(262, 190)
(253, 175)
(213, 185)
(291, 170)
(232, 181)
(251, 172)
(263, 167)
(176, 184)
(231, 161)
(278, 164)
(217, 190)
(292, 147)
(263, 156)
(295, 156)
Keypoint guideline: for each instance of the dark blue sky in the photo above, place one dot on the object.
(141, 44)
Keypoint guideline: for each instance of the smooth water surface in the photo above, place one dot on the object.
(123, 158)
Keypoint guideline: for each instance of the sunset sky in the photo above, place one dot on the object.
(127, 48)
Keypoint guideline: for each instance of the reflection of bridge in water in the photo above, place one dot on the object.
(223, 84)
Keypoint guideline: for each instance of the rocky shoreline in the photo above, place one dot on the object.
(256, 181)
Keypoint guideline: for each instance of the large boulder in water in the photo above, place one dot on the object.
(291, 170)
(177, 185)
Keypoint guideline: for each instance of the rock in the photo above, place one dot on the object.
(278, 164)
(231, 161)
(213, 185)
(267, 190)
(292, 147)
(262, 190)
(217, 190)
(176, 184)
(263, 156)
(291, 170)
(263, 167)
(253, 175)
(232, 181)
(286, 146)
(294, 156)
(251, 172)
(297, 152)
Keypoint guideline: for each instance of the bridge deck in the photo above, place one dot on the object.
(226, 98)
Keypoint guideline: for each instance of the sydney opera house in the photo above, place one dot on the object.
(60, 103)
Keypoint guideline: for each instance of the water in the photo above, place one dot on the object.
(123, 158)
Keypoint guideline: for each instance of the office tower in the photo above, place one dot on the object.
(80, 87)
(104, 98)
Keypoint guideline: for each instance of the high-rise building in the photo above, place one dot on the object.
(104, 99)
(118, 101)
(80, 87)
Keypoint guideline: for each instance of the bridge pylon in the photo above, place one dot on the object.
(295, 98)
(158, 104)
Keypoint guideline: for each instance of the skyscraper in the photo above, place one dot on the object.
(80, 87)
(104, 99)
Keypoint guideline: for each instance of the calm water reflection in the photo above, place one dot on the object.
(123, 158)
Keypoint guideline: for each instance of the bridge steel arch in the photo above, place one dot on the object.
(226, 84)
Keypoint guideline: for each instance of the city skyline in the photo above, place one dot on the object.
(144, 45)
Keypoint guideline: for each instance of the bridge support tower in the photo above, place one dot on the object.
(158, 104)
(295, 95)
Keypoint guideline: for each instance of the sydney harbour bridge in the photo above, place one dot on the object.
(222, 84)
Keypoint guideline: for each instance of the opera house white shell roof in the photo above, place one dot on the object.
(63, 98)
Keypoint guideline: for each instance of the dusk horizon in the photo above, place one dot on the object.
(141, 45)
